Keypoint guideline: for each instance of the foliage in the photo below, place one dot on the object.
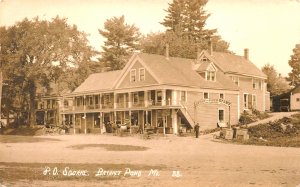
(253, 116)
(154, 43)
(294, 62)
(36, 53)
(247, 118)
(121, 40)
(283, 132)
(185, 21)
(276, 84)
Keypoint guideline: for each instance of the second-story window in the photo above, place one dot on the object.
(205, 95)
(183, 96)
(221, 96)
(256, 84)
(235, 80)
(159, 96)
(142, 74)
(135, 97)
(133, 75)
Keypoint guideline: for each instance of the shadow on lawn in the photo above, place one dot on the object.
(110, 147)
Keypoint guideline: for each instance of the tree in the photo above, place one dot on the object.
(294, 62)
(276, 84)
(185, 32)
(154, 43)
(121, 39)
(37, 52)
(188, 19)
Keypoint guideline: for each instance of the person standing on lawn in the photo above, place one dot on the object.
(196, 129)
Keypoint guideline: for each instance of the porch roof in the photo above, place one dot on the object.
(98, 82)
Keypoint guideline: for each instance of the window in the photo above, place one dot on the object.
(246, 101)
(254, 101)
(221, 96)
(183, 95)
(135, 97)
(221, 115)
(132, 75)
(48, 103)
(204, 59)
(210, 75)
(142, 74)
(90, 100)
(205, 95)
(298, 99)
(77, 101)
(159, 96)
(159, 118)
(235, 80)
(96, 100)
(250, 101)
(256, 84)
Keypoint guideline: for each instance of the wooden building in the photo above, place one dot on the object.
(167, 93)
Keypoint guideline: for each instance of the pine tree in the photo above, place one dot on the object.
(121, 39)
(294, 62)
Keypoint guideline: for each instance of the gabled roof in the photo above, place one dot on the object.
(179, 71)
(230, 63)
(99, 81)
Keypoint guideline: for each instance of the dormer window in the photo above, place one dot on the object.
(210, 75)
(133, 75)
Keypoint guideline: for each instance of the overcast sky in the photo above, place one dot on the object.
(270, 29)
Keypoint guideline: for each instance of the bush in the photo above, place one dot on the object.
(247, 118)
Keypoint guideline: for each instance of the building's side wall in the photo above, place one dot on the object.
(295, 105)
(207, 114)
(246, 87)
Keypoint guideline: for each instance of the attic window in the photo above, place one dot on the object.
(210, 75)
(133, 75)
(204, 59)
(142, 74)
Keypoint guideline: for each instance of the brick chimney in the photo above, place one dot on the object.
(167, 51)
(246, 54)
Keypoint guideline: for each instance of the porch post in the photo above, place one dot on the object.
(146, 98)
(129, 99)
(84, 117)
(130, 130)
(174, 121)
(174, 97)
(74, 125)
(100, 103)
(115, 100)
(163, 99)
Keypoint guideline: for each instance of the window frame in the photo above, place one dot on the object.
(144, 74)
(185, 96)
(223, 97)
(221, 109)
(133, 75)
(204, 95)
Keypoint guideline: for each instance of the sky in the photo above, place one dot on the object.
(269, 29)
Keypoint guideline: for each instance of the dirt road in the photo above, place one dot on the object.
(191, 161)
